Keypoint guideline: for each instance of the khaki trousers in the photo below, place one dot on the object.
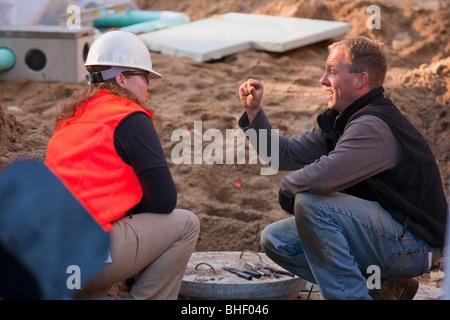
(156, 247)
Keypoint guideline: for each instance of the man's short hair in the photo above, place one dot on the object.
(364, 54)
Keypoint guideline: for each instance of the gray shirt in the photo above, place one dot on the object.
(366, 148)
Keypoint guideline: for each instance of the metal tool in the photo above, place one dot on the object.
(275, 274)
(257, 268)
(254, 274)
(275, 270)
(238, 272)
(252, 267)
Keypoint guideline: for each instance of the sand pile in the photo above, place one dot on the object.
(232, 217)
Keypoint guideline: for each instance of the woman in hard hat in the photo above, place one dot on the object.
(107, 152)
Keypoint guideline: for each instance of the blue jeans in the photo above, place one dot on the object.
(334, 238)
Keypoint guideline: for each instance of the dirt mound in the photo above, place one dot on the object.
(430, 87)
(17, 141)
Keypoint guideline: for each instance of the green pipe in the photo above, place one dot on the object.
(7, 59)
(137, 21)
(154, 25)
(128, 18)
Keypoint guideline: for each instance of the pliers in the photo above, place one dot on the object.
(276, 271)
(267, 270)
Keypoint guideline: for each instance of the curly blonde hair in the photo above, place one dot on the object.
(82, 95)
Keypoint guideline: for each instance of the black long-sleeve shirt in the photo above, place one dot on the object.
(137, 143)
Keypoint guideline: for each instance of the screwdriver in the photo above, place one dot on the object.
(238, 273)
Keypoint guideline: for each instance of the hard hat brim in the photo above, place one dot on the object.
(155, 75)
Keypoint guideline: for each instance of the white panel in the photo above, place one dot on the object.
(216, 37)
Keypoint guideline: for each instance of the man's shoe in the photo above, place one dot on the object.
(404, 289)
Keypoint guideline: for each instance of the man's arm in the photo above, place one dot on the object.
(366, 148)
(294, 153)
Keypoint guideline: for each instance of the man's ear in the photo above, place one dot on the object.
(362, 80)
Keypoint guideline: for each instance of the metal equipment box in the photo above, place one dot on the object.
(47, 52)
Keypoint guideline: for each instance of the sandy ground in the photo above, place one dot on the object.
(232, 215)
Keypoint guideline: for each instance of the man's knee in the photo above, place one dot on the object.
(272, 235)
(303, 202)
(265, 237)
(279, 233)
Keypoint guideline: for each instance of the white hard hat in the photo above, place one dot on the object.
(121, 49)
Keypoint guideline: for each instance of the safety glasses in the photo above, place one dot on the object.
(146, 75)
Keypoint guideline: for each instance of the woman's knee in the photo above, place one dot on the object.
(192, 223)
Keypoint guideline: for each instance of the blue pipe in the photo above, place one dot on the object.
(7, 59)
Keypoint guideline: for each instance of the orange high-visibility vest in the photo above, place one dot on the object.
(82, 154)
